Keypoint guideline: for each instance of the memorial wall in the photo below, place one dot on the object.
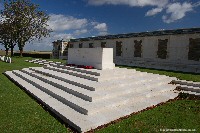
(177, 50)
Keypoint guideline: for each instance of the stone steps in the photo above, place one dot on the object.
(185, 82)
(113, 76)
(91, 96)
(126, 109)
(86, 107)
(105, 73)
(83, 93)
(43, 62)
(96, 72)
(123, 91)
(86, 104)
(189, 86)
(73, 73)
(69, 88)
(82, 70)
(87, 84)
(80, 82)
(108, 75)
(62, 96)
(116, 72)
(86, 122)
(92, 85)
(127, 99)
(190, 92)
(67, 114)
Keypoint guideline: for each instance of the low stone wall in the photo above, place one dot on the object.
(164, 65)
(35, 55)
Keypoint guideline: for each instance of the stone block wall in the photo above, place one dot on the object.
(99, 58)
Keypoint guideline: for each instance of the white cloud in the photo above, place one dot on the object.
(59, 22)
(196, 4)
(141, 3)
(67, 27)
(154, 11)
(101, 27)
(79, 32)
(94, 23)
(102, 33)
(46, 43)
(176, 11)
(60, 36)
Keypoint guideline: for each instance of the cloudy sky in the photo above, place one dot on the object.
(84, 18)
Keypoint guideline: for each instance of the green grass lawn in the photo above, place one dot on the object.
(20, 113)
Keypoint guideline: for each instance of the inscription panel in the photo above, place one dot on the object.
(162, 48)
(194, 49)
(138, 48)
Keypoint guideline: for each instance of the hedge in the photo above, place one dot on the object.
(35, 55)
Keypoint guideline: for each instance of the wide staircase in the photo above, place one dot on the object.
(88, 98)
(189, 87)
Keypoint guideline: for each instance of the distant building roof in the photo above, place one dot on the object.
(141, 34)
(66, 40)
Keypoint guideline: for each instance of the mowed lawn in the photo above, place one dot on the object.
(18, 111)
(21, 113)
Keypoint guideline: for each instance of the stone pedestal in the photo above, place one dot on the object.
(99, 58)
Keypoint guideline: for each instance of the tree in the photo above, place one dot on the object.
(3, 38)
(7, 36)
(28, 22)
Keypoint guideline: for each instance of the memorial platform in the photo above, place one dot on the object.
(88, 98)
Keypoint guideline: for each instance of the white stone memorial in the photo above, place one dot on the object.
(6, 59)
(99, 58)
(9, 60)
